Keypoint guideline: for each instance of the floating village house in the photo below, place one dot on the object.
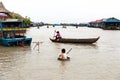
(12, 31)
(109, 23)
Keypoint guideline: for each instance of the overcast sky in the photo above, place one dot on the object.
(59, 11)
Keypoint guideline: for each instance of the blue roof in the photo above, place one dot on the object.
(111, 20)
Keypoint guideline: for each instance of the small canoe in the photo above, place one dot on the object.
(68, 58)
(69, 40)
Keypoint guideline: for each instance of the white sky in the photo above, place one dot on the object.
(59, 11)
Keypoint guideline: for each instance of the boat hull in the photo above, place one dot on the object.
(68, 40)
(16, 42)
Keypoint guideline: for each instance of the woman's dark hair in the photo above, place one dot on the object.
(63, 50)
(57, 31)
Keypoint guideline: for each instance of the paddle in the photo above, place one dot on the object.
(54, 33)
(69, 50)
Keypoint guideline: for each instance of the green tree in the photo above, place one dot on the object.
(27, 21)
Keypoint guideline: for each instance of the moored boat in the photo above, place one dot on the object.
(12, 33)
(70, 40)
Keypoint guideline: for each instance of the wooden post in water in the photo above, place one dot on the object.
(37, 45)
(64, 26)
(47, 26)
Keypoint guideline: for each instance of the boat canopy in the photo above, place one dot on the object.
(3, 15)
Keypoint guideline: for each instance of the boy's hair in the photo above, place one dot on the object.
(63, 50)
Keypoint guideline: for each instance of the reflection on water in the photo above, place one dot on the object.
(98, 61)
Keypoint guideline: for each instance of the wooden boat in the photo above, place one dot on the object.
(69, 40)
(68, 58)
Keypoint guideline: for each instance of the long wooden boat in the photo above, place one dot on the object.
(69, 40)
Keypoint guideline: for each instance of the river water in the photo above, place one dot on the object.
(98, 61)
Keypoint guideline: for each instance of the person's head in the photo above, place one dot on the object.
(63, 50)
(57, 31)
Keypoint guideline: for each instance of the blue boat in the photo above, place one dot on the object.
(12, 33)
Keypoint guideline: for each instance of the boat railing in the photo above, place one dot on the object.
(11, 29)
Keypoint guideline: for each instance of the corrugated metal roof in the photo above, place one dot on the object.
(111, 20)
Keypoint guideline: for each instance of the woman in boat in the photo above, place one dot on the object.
(58, 36)
(63, 54)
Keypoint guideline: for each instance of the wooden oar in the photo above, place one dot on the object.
(54, 33)
(69, 50)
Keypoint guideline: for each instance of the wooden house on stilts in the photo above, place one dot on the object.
(106, 23)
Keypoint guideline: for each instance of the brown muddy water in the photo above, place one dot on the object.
(98, 61)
